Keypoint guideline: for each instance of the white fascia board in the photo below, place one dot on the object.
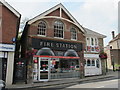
(91, 55)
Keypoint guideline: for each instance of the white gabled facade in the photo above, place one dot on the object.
(91, 54)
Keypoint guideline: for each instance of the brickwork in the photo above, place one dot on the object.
(50, 30)
(9, 25)
(55, 13)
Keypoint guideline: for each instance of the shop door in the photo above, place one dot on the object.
(4, 68)
(44, 69)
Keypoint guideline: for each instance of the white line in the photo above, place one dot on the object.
(100, 87)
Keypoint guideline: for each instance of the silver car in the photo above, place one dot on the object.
(2, 85)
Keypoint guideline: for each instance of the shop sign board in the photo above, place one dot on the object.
(7, 47)
(55, 45)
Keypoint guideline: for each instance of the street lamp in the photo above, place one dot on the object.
(113, 63)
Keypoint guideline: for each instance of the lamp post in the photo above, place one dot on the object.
(113, 63)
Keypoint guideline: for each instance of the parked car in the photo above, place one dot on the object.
(2, 85)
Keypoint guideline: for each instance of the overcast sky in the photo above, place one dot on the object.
(98, 15)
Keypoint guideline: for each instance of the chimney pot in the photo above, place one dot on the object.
(113, 34)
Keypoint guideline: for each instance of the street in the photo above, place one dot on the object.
(99, 84)
(87, 85)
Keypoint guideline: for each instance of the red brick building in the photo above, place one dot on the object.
(52, 44)
(9, 26)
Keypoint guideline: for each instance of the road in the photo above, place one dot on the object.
(99, 84)
(88, 85)
(111, 82)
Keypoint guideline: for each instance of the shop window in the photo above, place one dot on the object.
(73, 34)
(42, 28)
(97, 63)
(58, 29)
(88, 62)
(93, 62)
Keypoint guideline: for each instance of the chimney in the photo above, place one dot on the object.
(113, 34)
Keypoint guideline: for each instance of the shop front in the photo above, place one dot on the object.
(6, 62)
(55, 60)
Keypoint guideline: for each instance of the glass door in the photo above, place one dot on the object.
(44, 69)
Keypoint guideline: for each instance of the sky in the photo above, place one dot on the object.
(98, 15)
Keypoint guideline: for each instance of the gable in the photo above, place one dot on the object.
(54, 13)
(60, 12)
(64, 15)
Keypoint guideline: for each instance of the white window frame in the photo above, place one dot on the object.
(38, 33)
(73, 33)
(59, 30)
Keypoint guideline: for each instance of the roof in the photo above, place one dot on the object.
(10, 8)
(93, 33)
(43, 15)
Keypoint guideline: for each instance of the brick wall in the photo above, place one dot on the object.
(0, 22)
(50, 29)
(9, 25)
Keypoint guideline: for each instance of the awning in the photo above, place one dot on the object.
(65, 57)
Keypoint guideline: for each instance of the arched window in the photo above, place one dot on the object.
(42, 28)
(58, 29)
(96, 41)
(73, 34)
(88, 62)
(88, 41)
(92, 41)
(93, 63)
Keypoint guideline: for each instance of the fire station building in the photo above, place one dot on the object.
(53, 46)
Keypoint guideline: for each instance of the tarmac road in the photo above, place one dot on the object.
(85, 85)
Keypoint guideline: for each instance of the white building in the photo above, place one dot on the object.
(94, 44)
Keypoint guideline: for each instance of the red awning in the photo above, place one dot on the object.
(57, 57)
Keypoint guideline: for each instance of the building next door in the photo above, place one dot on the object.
(44, 72)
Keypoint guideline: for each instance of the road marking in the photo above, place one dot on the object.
(100, 87)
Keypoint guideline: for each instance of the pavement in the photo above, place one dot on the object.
(109, 74)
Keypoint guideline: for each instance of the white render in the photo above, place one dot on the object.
(93, 70)
(92, 54)
(10, 64)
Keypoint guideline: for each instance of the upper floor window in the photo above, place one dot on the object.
(88, 41)
(58, 29)
(73, 34)
(42, 28)
(96, 41)
(92, 41)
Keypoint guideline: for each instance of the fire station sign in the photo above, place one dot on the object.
(55, 45)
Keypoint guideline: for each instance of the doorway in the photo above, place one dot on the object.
(44, 72)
